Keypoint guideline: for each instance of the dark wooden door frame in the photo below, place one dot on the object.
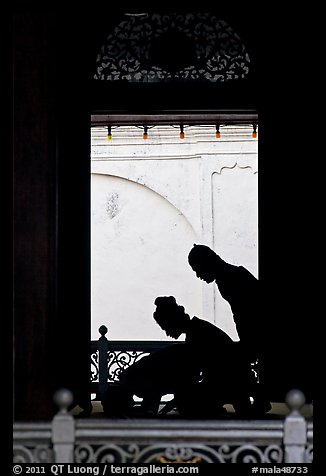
(54, 98)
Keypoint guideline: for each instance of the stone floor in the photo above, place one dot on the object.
(279, 410)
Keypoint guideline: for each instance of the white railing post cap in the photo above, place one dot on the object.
(295, 399)
(63, 398)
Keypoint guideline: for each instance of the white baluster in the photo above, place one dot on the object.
(295, 428)
(63, 428)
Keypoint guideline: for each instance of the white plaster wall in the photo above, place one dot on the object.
(164, 194)
(235, 233)
(140, 243)
(236, 189)
(175, 179)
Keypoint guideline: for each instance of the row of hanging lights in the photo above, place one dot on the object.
(181, 133)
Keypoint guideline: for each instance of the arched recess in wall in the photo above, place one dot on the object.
(139, 247)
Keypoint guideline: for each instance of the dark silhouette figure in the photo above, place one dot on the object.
(241, 290)
(163, 372)
(203, 373)
(157, 374)
(224, 375)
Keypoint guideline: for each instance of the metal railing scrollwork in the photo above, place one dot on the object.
(69, 440)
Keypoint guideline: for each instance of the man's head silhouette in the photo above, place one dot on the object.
(204, 262)
(170, 316)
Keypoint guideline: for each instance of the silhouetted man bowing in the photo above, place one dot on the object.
(241, 290)
(204, 373)
(225, 375)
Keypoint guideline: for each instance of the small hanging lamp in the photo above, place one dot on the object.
(145, 134)
(254, 131)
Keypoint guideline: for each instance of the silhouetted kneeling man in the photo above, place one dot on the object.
(225, 375)
(203, 373)
(241, 290)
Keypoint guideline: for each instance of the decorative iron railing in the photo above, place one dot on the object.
(69, 440)
(32, 443)
(169, 440)
(110, 357)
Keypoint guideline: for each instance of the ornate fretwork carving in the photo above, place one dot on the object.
(120, 355)
(32, 454)
(120, 360)
(94, 367)
(117, 362)
(177, 453)
(172, 47)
